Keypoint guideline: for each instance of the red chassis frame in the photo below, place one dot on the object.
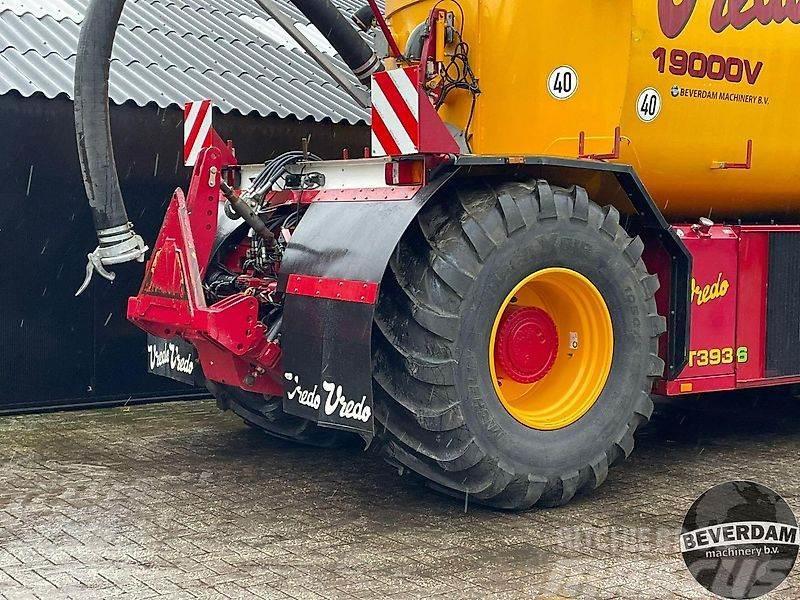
(231, 343)
(728, 308)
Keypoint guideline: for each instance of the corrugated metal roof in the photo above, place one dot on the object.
(173, 51)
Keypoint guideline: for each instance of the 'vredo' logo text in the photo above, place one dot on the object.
(703, 294)
(674, 16)
(169, 354)
(335, 400)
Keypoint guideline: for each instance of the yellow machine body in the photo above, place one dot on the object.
(725, 79)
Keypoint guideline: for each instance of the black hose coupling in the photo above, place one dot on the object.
(364, 18)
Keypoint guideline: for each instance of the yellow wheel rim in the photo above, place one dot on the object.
(551, 349)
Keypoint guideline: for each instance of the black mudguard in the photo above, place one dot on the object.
(329, 341)
(327, 344)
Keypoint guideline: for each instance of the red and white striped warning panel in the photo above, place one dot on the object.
(197, 132)
(395, 113)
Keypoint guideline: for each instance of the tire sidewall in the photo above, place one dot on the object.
(582, 247)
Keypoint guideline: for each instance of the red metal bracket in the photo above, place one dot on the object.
(363, 292)
(747, 164)
(230, 340)
(429, 50)
(228, 151)
(615, 154)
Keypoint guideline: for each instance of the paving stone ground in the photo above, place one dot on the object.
(179, 500)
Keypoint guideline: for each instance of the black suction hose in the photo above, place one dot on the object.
(92, 122)
(118, 243)
(344, 38)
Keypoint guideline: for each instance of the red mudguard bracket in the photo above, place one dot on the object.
(365, 292)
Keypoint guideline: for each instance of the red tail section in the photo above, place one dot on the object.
(230, 341)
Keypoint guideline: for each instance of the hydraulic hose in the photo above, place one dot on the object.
(246, 212)
(118, 242)
(341, 34)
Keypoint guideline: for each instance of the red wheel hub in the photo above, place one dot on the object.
(526, 344)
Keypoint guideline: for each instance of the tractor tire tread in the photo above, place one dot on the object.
(417, 409)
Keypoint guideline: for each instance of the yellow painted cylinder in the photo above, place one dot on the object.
(690, 84)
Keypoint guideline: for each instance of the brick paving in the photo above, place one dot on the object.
(181, 501)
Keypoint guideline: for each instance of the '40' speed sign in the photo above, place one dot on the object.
(563, 82)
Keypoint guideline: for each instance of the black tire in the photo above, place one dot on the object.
(267, 414)
(440, 415)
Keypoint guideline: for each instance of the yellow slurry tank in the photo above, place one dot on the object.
(693, 87)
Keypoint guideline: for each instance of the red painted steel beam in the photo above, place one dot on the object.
(363, 292)
(385, 29)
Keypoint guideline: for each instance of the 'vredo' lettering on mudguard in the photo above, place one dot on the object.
(326, 336)
(324, 340)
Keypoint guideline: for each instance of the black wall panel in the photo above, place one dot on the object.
(56, 349)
